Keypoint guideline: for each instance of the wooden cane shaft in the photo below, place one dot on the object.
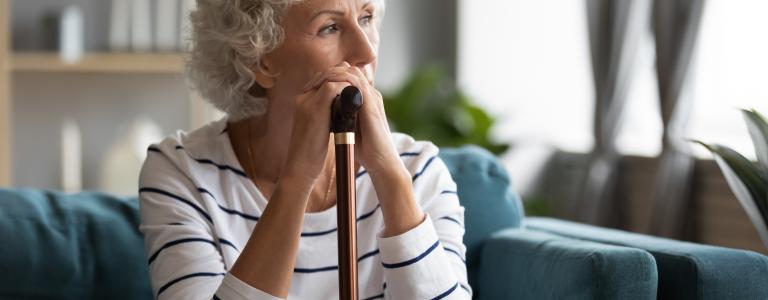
(347, 220)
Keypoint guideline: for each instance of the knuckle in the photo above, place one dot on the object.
(328, 88)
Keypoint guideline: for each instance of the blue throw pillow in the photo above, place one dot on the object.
(71, 246)
(488, 198)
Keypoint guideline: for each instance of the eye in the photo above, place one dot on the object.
(330, 29)
(366, 19)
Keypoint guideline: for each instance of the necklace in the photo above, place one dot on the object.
(330, 183)
(251, 166)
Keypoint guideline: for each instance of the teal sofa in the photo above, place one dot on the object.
(87, 246)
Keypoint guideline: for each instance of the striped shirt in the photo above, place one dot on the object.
(198, 209)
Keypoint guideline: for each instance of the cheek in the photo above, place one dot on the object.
(317, 60)
(304, 63)
(320, 58)
(373, 38)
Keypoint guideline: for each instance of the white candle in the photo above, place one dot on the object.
(71, 157)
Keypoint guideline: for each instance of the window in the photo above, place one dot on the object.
(641, 130)
(528, 63)
(730, 72)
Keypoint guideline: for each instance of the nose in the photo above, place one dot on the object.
(360, 48)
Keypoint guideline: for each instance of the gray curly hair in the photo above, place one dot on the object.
(228, 38)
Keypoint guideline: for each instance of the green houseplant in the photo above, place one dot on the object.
(748, 180)
(427, 107)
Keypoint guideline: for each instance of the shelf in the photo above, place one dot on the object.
(99, 63)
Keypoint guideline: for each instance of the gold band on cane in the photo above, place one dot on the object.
(344, 138)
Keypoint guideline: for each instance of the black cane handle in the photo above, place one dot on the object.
(344, 110)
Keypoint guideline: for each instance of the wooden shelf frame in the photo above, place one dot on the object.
(107, 62)
(5, 95)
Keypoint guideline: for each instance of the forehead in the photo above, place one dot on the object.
(309, 7)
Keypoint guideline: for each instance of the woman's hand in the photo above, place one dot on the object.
(310, 133)
(373, 146)
(376, 152)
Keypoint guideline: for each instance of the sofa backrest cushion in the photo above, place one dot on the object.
(488, 198)
(71, 246)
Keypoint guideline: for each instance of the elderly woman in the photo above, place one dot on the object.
(244, 207)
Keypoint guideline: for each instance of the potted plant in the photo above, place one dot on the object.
(428, 107)
(748, 180)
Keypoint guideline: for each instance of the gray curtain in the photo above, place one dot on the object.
(676, 25)
(615, 29)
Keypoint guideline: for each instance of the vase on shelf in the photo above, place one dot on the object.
(71, 43)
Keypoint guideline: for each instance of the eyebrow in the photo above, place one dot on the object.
(327, 11)
(337, 12)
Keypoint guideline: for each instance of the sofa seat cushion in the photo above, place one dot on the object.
(686, 270)
(527, 264)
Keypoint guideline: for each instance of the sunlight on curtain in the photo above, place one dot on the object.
(527, 62)
(641, 130)
(731, 72)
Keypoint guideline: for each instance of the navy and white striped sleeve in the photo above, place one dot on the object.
(428, 261)
(183, 254)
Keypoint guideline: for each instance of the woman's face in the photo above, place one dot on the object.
(320, 34)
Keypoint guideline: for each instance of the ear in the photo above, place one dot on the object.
(265, 76)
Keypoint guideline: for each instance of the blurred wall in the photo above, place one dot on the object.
(414, 34)
(104, 107)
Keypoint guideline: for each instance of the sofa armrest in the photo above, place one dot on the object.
(686, 270)
(524, 264)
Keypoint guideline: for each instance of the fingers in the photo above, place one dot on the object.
(344, 73)
(372, 97)
(319, 77)
(319, 100)
(334, 73)
(348, 77)
(361, 74)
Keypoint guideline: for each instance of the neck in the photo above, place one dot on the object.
(261, 145)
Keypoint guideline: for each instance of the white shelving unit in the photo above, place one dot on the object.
(106, 63)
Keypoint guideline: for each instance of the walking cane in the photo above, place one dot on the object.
(343, 125)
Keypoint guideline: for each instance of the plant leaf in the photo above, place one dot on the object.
(407, 108)
(758, 130)
(428, 107)
(748, 182)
